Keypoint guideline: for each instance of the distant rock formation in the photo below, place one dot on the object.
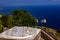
(43, 20)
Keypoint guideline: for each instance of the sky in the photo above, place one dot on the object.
(28, 2)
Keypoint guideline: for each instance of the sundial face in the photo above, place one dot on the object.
(21, 32)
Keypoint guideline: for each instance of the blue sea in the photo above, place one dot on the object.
(50, 12)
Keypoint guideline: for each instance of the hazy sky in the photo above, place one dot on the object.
(28, 2)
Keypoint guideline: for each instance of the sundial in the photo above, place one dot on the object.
(20, 33)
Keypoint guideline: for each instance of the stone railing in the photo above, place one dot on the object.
(38, 37)
(45, 36)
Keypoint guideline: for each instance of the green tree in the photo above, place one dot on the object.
(6, 20)
(15, 16)
(9, 22)
(23, 17)
(0, 26)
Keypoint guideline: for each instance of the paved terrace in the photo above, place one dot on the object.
(21, 33)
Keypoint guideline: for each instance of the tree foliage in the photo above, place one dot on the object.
(6, 20)
(0, 26)
(23, 18)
